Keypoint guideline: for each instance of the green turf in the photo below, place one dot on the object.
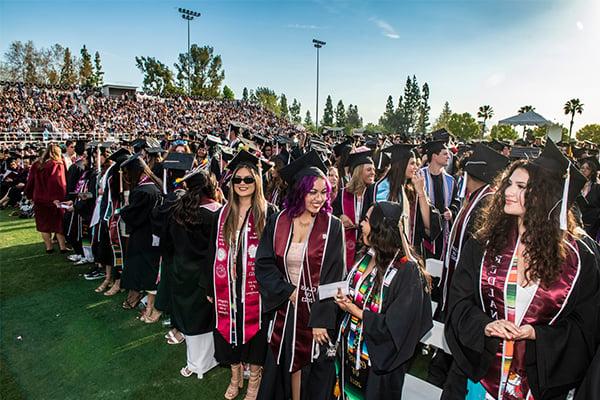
(61, 340)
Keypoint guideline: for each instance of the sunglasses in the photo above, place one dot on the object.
(247, 180)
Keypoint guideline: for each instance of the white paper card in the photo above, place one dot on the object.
(331, 289)
(155, 241)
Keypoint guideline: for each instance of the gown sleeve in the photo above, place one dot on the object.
(139, 210)
(562, 352)
(473, 352)
(435, 226)
(323, 312)
(273, 286)
(337, 204)
(393, 334)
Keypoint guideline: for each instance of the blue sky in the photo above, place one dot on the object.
(471, 52)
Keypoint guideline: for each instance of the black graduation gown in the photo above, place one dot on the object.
(393, 334)
(318, 377)
(141, 261)
(556, 361)
(590, 211)
(185, 268)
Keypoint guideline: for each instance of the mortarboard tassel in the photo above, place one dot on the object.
(565, 199)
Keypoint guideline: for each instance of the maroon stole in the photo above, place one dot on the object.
(457, 234)
(113, 220)
(302, 341)
(545, 307)
(351, 235)
(224, 285)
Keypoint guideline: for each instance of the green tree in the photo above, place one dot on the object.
(387, 119)
(98, 73)
(268, 99)
(283, 107)
(68, 73)
(295, 112)
(228, 93)
(572, 107)
(51, 63)
(327, 119)
(158, 78)
(485, 112)
(504, 132)
(444, 118)
(353, 119)
(589, 132)
(340, 114)
(245, 94)
(30, 60)
(463, 126)
(424, 108)
(86, 70)
(308, 122)
(525, 109)
(205, 71)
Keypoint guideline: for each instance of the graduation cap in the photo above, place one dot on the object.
(120, 155)
(245, 158)
(310, 164)
(339, 148)
(249, 144)
(214, 139)
(499, 145)
(441, 134)
(484, 164)
(435, 146)
(155, 150)
(400, 151)
(553, 160)
(133, 162)
(179, 161)
(138, 144)
(260, 139)
(227, 153)
(195, 178)
(387, 212)
(527, 153)
(381, 160)
(80, 146)
(92, 144)
(356, 159)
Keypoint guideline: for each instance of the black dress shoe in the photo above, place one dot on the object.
(50, 251)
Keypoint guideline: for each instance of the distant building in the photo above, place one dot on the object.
(110, 90)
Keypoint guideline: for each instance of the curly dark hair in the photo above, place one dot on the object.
(186, 209)
(545, 250)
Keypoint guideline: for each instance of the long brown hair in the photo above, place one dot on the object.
(258, 208)
(356, 184)
(545, 250)
(186, 209)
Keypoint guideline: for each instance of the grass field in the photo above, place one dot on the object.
(61, 340)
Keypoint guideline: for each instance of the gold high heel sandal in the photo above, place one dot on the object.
(253, 384)
(236, 383)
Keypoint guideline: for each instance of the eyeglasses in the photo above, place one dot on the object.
(247, 180)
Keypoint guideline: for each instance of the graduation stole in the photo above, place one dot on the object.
(456, 239)
(448, 186)
(409, 211)
(351, 209)
(225, 285)
(507, 378)
(113, 219)
(303, 345)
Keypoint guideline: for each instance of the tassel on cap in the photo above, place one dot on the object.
(564, 207)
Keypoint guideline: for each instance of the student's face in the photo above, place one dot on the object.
(442, 158)
(243, 189)
(366, 227)
(268, 151)
(514, 194)
(586, 170)
(411, 168)
(333, 177)
(368, 174)
(202, 152)
(316, 198)
(71, 149)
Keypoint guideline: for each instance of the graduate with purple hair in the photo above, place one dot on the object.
(301, 248)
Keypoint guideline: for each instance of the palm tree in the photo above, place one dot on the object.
(571, 107)
(486, 112)
(525, 109)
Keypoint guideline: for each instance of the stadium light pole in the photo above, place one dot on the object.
(188, 15)
(318, 44)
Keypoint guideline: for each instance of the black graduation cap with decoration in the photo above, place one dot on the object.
(552, 160)
(179, 161)
(245, 158)
(310, 164)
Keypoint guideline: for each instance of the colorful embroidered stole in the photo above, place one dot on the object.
(303, 344)
(225, 282)
(506, 378)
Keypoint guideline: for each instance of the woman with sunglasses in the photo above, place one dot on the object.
(386, 312)
(350, 205)
(302, 248)
(522, 319)
(240, 337)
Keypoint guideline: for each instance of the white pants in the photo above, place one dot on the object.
(200, 353)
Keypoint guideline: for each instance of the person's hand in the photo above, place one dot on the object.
(527, 332)
(418, 181)
(293, 297)
(447, 214)
(321, 335)
(346, 222)
(502, 329)
(342, 301)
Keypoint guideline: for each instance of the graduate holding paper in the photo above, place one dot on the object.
(387, 312)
